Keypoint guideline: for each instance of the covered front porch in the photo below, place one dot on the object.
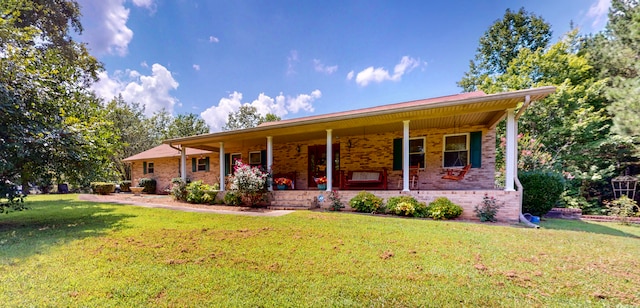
(413, 143)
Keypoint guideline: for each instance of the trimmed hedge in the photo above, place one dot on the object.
(406, 206)
(367, 202)
(103, 188)
(541, 191)
(148, 184)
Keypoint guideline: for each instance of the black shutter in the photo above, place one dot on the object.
(227, 164)
(476, 149)
(397, 154)
(194, 165)
(263, 159)
(144, 167)
(206, 164)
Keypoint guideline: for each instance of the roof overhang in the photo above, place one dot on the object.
(451, 111)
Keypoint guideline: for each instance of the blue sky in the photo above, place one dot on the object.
(296, 58)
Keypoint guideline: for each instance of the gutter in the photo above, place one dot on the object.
(527, 102)
(178, 149)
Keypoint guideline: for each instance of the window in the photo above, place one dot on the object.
(255, 158)
(417, 147)
(147, 167)
(203, 164)
(456, 150)
(235, 157)
(416, 152)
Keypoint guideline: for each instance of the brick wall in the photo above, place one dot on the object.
(166, 169)
(370, 151)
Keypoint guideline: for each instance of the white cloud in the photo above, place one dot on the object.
(213, 39)
(320, 67)
(350, 75)
(599, 12)
(105, 24)
(370, 74)
(196, 67)
(150, 91)
(148, 4)
(144, 64)
(217, 116)
(292, 59)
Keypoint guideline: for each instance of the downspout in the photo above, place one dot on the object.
(523, 219)
(183, 166)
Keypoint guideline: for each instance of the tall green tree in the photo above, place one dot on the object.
(53, 125)
(502, 43)
(617, 55)
(184, 125)
(246, 117)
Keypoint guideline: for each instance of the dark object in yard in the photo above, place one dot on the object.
(63, 188)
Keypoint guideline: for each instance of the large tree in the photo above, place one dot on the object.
(502, 43)
(617, 55)
(52, 124)
(184, 125)
(246, 117)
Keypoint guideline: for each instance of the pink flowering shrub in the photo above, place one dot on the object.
(249, 182)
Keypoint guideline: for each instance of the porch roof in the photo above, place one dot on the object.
(163, 151)
(466, 109)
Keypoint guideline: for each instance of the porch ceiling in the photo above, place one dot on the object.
(478, 110)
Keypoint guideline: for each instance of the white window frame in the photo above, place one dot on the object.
(204, 164)
(467, 146)
(252, 161)
(424, 151)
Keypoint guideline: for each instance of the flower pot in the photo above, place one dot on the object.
(281, 187)
(322, 186)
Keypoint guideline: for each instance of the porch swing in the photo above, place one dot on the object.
(451, 173)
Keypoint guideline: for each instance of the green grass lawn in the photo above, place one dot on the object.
(65, 252)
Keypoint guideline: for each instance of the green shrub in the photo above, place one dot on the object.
(367, 202)
(541, 191)
(487, 209)
(624, 208)
(406, 206)
(336, 203)
(178, 189)
(232, 198)
(443, 208)
(103, 188)
(198, 192)
(148, 184)
(124, 186)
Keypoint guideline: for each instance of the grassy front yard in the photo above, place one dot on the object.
(65, 252)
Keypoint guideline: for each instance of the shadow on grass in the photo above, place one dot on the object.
(52, 222)
(609, 228)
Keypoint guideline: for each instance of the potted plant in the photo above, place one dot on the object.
(321, 182)
(282, 183)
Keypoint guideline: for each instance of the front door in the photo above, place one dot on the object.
(318, 164)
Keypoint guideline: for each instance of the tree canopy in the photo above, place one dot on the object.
(246, 117)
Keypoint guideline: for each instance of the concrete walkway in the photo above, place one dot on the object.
(101, 199)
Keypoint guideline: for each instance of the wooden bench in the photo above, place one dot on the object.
(363, 179)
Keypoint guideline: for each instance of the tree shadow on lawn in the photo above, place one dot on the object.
(49, 223)
(586, 226)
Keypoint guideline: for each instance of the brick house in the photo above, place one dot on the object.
(414, 143)
(162, 163)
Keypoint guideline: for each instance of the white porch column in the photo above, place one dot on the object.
(270, 159)
(405, 156)
(183, 163)
(222, 164)
(511, 150)
(329, 159)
